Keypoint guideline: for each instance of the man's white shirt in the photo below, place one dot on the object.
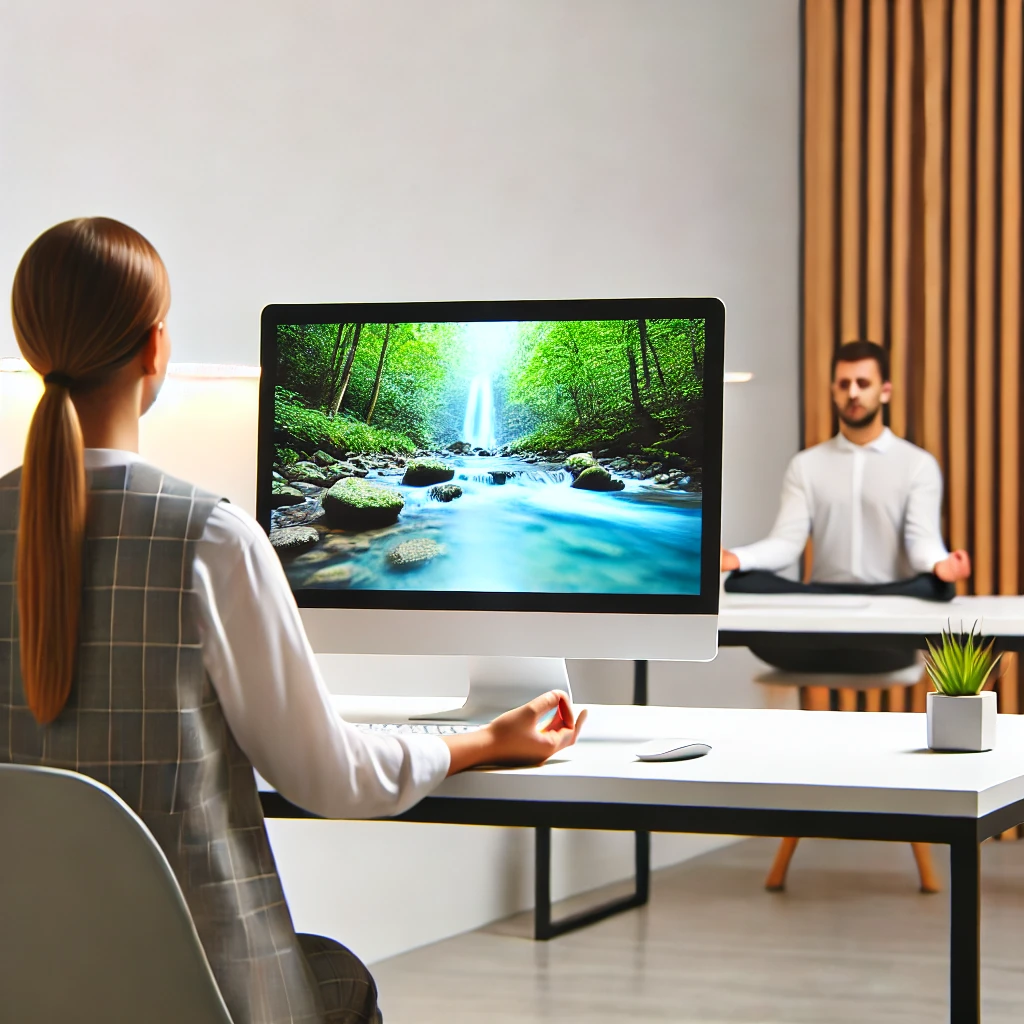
(873, 511)
(270, 688)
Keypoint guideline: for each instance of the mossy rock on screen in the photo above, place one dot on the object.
(283, 496)
(424, 472)
(597, 478)
(445, 492)
(307, 473)
(336, 577)
(294, 540)
(354, 504)
(577, 463)
(412, 554)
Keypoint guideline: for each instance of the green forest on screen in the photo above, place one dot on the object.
(566, 385)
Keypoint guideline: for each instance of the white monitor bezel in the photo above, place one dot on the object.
(512, 634)
(662, 627)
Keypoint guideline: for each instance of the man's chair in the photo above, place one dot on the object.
(93, 925)
(889, 691)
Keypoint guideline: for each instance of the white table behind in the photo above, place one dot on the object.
(822, 613)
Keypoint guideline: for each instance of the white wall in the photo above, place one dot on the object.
(361, 149)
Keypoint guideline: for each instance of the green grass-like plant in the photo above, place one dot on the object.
(310, 429)
(961, 664)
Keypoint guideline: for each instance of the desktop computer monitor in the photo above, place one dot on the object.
(524, 479)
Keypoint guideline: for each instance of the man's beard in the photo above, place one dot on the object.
(864, 421)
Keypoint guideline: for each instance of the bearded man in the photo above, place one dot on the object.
(870, 500)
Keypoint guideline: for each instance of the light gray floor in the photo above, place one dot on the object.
(851, 941)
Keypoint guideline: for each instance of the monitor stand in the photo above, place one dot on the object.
(497, 685)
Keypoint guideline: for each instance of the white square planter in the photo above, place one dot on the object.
(962, 723)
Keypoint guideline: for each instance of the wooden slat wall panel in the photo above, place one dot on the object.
(1009, 313)
(852, 168)
(986, 391)
(820, 97)
(1011, 279)
(933, 18)
(901, 213)
(960, 282)
(913, 187)
(877, 160)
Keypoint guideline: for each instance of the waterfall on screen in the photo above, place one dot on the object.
(478, 424)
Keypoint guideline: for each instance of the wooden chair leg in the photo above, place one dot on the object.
(776, 880)
(815, 698)
(925, 868)
(847, 700)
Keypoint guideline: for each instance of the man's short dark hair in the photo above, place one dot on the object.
(854, 351)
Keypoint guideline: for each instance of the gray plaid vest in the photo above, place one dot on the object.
(144, 719)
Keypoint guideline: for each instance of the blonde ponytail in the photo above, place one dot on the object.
(85, 296)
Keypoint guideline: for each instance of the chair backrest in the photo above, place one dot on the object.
(93, 925)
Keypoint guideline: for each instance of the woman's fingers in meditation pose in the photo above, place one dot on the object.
(526, 735)
(520, 738)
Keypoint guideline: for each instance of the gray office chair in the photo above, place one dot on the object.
(93, 925)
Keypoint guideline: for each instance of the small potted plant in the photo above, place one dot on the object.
(960, 715)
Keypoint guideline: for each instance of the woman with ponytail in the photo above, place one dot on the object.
(76, 337)
(152, 641)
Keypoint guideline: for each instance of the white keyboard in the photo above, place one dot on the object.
(424, 728)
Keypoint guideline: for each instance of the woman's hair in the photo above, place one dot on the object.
(85, 296)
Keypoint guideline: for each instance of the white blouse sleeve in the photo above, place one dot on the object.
(273, 697)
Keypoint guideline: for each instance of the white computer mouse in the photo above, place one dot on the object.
(675, 749)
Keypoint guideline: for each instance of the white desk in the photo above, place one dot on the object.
(770, 773)
(821, 620)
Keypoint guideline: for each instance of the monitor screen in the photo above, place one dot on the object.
(551, 456)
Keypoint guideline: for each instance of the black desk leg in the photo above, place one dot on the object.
(543, 927)
(640, 682)
(965, 932)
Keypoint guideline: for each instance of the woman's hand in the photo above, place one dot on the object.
(517, 738)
